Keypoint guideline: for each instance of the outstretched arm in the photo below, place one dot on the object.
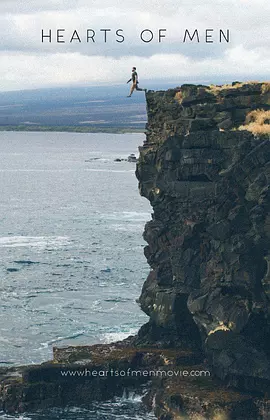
(129, 81)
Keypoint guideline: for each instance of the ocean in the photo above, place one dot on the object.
(72, 262)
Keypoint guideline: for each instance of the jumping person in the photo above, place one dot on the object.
(135, 82)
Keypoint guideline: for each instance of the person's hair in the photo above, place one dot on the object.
(133, 68)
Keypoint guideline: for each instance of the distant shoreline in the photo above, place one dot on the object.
(71, 129)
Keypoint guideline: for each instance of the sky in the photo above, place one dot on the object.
(27, 63)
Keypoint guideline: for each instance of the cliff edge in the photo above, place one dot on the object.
(205, 169)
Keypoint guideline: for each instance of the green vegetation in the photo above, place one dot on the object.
(71, 129)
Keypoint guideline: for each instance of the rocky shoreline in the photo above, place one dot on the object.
(207, 294)
(171, 377)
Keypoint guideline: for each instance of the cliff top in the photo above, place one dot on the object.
(239, 106)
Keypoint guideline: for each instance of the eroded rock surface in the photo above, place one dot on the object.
(179, 384)
(209, 237)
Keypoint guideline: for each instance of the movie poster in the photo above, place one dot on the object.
(134, 185)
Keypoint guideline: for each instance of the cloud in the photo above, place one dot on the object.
(26, 61)
(20, 70)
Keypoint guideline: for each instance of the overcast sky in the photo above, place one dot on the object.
(28, 63)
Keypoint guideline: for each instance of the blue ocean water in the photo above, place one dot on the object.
(72, 263)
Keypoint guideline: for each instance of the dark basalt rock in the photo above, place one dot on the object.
(209, 240)
(179, 384)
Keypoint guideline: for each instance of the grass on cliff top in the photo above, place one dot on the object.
(217, 89)
(257, 122)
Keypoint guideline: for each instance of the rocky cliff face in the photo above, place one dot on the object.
(209, 238)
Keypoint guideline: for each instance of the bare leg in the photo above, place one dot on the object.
(133, 87)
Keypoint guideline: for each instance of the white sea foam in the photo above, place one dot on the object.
(33, 241)
(59, 339)
(131, 396)
(135, 215)
(112, 337)
(107, 170)
(132, 216)
(126, 227)
(130, 399)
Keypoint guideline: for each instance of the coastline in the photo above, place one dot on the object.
(72, 129)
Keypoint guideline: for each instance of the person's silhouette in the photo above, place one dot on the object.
(135, 82)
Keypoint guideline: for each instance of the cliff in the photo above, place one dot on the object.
(205, 169)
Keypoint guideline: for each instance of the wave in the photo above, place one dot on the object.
(135, 215)
(129, 408)
(26, 262)
(131, 227)
(33, 242)
(117, 300)
(107, 170)
(112, 337)
(93, 159)
(132, 216)
(5, 416)
(59, 339)
(37, 170)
